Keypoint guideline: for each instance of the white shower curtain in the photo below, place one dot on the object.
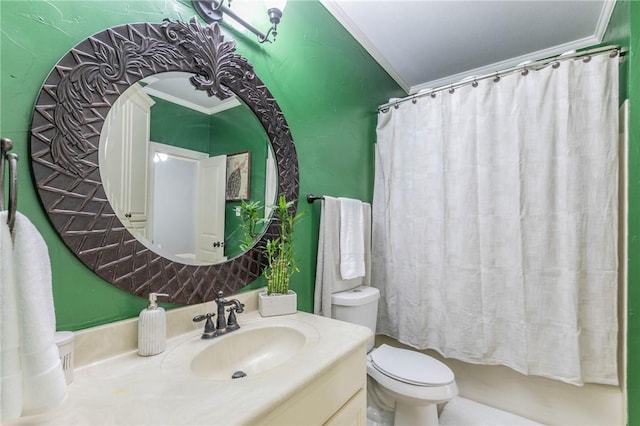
(495, 219)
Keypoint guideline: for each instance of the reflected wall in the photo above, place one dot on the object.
(227, 132)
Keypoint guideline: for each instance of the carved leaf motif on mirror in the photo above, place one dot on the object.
(69, 114)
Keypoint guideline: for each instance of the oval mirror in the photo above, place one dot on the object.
(176, 164)
(70, 114)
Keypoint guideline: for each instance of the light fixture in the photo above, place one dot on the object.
(214, 10)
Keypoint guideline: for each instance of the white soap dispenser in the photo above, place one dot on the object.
(152, 328)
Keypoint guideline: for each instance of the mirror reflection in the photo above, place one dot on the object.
(176, 164)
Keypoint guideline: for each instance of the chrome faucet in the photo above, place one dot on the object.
(224, 325)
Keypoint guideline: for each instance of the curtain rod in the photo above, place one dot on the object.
(524, 69)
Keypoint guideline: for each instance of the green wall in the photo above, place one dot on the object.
(633, 261)
(327, 86)
(179, 126)
(624, 23)
(624, 30)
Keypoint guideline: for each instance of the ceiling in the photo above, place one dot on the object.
(176, 88)
(425, 44)
(430, 43)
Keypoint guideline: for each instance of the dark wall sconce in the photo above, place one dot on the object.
(214, 10)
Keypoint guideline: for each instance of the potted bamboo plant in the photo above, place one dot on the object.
(281, 264)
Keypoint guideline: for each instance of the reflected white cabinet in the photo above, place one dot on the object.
(124, 158)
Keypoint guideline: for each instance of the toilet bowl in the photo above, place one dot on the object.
(406, 382)
(409, 383)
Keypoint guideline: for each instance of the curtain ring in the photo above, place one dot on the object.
(586, 59)
(396, 105)
(451, 89)
(475, 83)
(496, 78)
(433, 94)
(414, 101)
(525, 71)
(613, 53)
(555, 65)
(384, 110)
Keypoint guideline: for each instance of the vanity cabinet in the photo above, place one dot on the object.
(337, 396)
(352, 413)
(323, 384)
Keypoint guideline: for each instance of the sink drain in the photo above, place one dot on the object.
(238, 375)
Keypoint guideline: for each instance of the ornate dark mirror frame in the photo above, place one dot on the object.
(69, 115)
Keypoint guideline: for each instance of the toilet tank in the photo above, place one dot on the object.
(357, 306)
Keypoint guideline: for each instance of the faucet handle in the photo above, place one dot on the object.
(202, 317)
(232, 321)
(209, 326)
(236, 307)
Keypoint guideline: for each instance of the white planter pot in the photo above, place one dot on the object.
(277, 304)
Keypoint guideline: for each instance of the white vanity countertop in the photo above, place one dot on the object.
(161, 390)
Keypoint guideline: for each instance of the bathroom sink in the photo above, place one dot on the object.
(245, 353)
(256, 348)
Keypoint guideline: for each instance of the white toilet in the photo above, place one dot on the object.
(406, 382)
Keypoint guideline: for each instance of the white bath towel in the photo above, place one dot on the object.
(328, 278)
(10, 373)
(351, 239)
(44, 385)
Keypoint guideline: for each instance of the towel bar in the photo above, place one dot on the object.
(311, 198)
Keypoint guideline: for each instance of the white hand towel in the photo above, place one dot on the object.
(328, 278)
(10, 373)
(44, 385)
(352, 263)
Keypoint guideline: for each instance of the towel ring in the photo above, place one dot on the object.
(6, 144)
(13, 189)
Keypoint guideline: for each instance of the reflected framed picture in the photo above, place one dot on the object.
(238, 176)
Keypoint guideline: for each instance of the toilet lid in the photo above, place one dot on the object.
(410, 366)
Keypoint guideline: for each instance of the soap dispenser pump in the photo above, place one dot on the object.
(152, 328)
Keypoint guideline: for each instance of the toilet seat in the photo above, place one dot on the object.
(410, 367)
(407, 392)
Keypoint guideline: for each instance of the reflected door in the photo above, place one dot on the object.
(174, 205)
(211, 201)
